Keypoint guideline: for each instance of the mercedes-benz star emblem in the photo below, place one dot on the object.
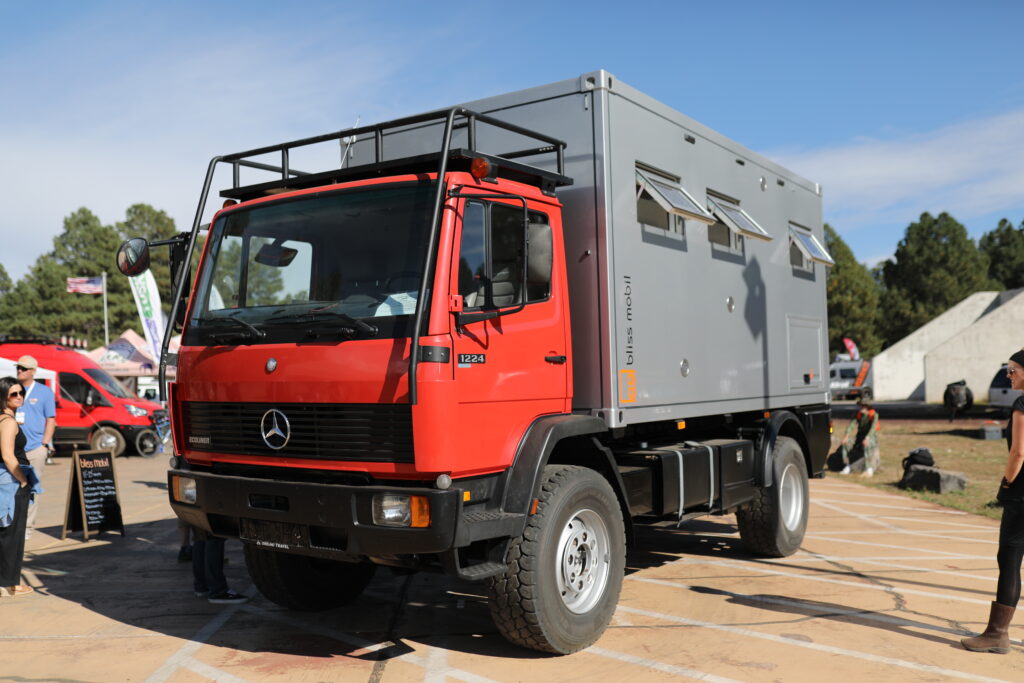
(271, 365)
(274, 429)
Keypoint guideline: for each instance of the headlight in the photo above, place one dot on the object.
(398, 509)
(136, 411)
(184, 490)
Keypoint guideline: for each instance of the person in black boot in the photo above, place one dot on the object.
(996, 637)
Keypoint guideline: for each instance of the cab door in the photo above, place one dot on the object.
(514, 366)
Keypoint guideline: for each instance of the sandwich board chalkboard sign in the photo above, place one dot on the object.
(93, 505)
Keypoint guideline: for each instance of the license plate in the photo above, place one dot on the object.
(280, 535)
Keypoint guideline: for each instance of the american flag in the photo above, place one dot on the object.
(85, 285)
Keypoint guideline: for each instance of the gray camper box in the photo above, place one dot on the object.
(696, 266)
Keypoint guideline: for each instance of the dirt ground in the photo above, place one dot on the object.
(956, 445)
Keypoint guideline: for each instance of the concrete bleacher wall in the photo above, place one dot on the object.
(899, 371)
(976, 352)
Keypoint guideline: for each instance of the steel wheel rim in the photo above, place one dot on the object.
(106, 441)
(791, 498)
(583, 561)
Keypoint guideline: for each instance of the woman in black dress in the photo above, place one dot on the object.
(14, 489)
(996, 637)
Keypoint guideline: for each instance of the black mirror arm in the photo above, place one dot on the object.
(179, 287)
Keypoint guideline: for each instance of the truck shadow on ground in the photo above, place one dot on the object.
(136, 581)
(804, 610)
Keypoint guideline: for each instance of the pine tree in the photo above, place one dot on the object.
(1004, 247)
(936, 265)
(853, 297)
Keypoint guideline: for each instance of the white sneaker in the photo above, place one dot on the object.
(869, 472)
(845, 470)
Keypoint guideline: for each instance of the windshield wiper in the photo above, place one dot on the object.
(249, 332)
(320, 316)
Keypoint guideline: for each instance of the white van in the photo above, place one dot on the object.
(851, 379)
(1000, 395)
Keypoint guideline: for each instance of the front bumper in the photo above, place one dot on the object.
(322, 520)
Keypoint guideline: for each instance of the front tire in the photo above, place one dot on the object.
(774, 523)
(564, 574)
(307, 584)
(107, 439)
(147, 443)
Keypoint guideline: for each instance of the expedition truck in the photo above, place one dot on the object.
(490, 341)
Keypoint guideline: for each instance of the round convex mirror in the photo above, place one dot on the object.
(133, 257)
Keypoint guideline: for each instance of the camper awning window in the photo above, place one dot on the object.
(736, 219)
(672, 197)
(809, 245)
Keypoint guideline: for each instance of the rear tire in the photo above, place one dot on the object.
(107, 439)
(564, 574)
(774, 523)
(307, 584)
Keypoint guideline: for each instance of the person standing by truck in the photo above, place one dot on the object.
(15, 489)
(860, 442)
(996, 637)
(38, 419)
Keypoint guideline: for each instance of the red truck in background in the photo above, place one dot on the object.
(94, 410)
(478, 348)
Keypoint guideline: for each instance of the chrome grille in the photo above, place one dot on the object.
(326, 431)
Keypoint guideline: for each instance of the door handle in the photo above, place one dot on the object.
(555, 359)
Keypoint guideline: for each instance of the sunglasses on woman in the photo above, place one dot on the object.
(16, 394)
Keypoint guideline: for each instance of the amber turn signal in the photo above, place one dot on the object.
(480, 168)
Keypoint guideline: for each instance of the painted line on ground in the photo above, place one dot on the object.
(211, 672)
(658, 666)
(184, 654)
(908, 508)
(822, 610)
(866, 532)
(809, 557)
(365, 646)
(829, 649)
(822, 579)
(850, 541)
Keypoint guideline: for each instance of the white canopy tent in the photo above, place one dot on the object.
(7, 370)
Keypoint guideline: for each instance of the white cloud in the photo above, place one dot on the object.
(970, 169)
(139, 119)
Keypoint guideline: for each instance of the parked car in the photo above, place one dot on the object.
(94, 410)
(851, 379)
(1000, 395)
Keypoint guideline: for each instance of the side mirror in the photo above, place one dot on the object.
(133, 257)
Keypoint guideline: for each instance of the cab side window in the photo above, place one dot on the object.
(491, 257)
(73, 388)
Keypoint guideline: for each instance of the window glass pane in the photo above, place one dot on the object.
(73, 388)
(649, 212)
(112, 386)
(796, 257)
(811, 246)
(737, 219)
(278, 272)
(472, 268)
(673, 198)
(506, 254)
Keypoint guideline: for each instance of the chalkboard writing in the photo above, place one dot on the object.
(93, 505)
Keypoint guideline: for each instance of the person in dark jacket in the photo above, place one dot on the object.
(15, 489)
(996, 637)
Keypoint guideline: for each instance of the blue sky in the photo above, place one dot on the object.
(894, 107)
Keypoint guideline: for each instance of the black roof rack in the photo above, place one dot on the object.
(292, 179)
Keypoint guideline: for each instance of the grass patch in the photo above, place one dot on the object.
(956, 447)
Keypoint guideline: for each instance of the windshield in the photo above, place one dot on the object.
(111, 385)
(345, 264)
